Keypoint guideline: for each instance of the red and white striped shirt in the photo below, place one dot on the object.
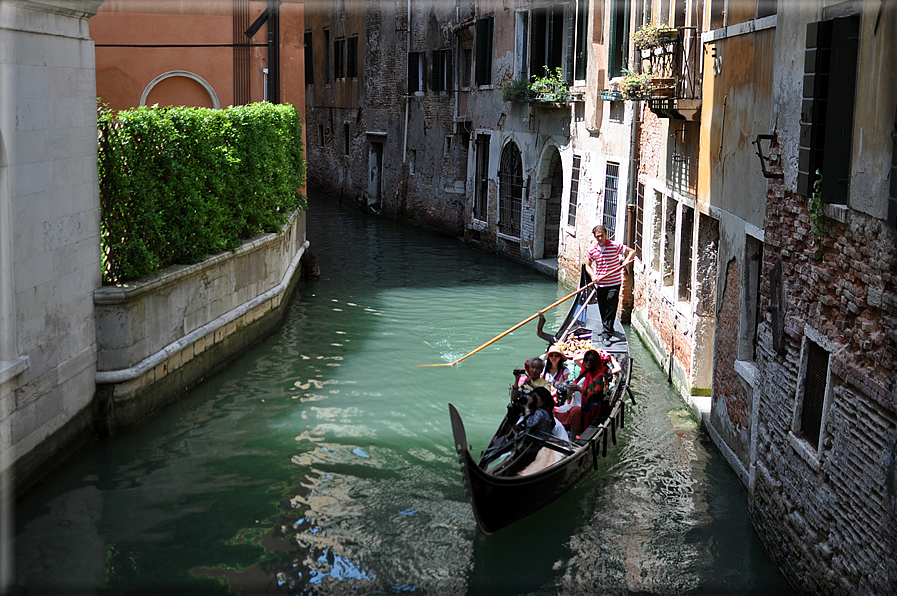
(607, 258)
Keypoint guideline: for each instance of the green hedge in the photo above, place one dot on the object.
(178, 184)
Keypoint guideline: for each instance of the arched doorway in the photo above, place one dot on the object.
(549, 189)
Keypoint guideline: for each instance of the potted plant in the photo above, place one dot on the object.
(550, 88)
(516, 90)
(635, 85)
(650, 36)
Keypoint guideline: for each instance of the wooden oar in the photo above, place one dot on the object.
(521, 323)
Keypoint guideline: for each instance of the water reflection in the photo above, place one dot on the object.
(322, 462)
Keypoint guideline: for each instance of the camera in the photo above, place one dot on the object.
(519, 372)
(562, 388)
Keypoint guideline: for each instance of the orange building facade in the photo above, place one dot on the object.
(199, 53)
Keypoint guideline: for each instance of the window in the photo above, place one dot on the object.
(669, 242)
(574, 192)
(484, 51)
(753, 269)
(580, 48)
(826, 120)
(352, 57)
(339, 50)
(466, 65)
(611, 181)
(442, 70)
(326, 56)
(447, 147)
(656, 228)
(510, 180)
(547, 47)
(811, 391)
(463, 147)
(639, 220)
(766, 8)
(309, 60)
(619, 38)
(321, 135)
(481, 191)
(346, 138)
(417, 66)
(685, 244)
(521, 48)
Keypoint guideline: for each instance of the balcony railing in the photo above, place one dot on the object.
(678, 61)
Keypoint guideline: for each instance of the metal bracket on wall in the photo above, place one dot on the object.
(764, 159)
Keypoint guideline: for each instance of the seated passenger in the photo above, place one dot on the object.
(532, 379)
(538, 419)
(555, 372)
(591, 383)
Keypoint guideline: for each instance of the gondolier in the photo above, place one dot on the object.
(604, 264)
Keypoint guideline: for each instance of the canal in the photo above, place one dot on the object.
(321, 461)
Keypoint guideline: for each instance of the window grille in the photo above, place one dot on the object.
(481, 194)
(510, 191)
(574, 192)
(611, 182)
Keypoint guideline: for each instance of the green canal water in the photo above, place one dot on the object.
(322, 462)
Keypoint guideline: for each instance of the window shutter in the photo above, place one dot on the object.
(812, 116)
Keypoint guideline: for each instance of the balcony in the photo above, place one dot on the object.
(673, 56)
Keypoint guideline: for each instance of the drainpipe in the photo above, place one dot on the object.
(274, 51)
(407, 95)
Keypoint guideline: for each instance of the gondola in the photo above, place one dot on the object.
(500, 500)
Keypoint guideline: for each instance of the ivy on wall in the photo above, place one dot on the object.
(178, 184)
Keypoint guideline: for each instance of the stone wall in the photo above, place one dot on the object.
(49, 231)
(158, 337)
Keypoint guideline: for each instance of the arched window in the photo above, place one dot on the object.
(510, 177)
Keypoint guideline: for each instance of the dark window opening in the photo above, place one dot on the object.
(309, 60)
(339, 50)
(346, 138)
(484, 51)
(815, 381)
(547, 47)
(352, 57)
(826, 123)
(417, 66)
(685, 256)
(442, 70)
(326, 56)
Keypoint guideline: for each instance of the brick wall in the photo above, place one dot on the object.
(829, 516)
(727, 384)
